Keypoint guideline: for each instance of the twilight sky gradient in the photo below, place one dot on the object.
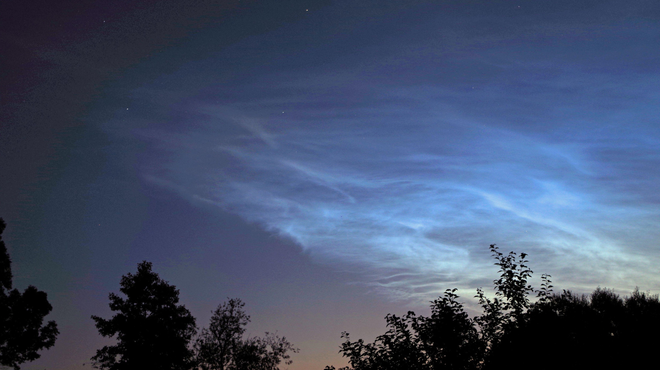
(327, 162)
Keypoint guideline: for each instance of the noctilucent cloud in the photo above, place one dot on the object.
(402, 144)
(327, 162)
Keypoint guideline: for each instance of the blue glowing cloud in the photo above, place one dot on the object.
(383, 163)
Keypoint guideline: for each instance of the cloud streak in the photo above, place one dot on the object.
(410, 182)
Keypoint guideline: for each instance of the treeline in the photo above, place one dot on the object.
(556, 331)
(518, 327)
(152, 330)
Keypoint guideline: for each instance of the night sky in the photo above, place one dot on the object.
(327, 162)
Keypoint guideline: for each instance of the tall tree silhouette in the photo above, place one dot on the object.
(221, 346)
(22, 329)
(153, 331)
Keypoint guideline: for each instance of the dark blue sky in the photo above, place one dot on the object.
(327, 162)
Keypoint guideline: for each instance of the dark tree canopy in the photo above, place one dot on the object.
(448, 339)
(153, 331)
(22, 329)
(557, 331)
(601, 330)
(221, 346)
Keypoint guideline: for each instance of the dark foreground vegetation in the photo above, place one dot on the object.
(519, 327)
(154, 332)
(557, 331)
(22, 329)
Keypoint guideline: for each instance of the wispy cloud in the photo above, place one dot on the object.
(410, 182)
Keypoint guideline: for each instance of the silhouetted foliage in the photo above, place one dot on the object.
(577, 327)
(557, 331)
(215, 346)
(221, 346)
(505, 311)
(444, 340)
(153, 331)
(449, 336)
(22, 329)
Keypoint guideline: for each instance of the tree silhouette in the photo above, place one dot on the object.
(216, 346)
(578, 327)
(22, 329)
(153, 331)
(448, 339)
(564, 330)
(506, 310)
(222, 347)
